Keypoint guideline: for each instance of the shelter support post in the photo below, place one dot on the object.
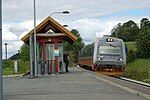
(31, 56)
(56, 58)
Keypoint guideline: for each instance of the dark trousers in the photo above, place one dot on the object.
(67, 63)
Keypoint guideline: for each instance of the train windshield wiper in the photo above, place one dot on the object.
(112, 45)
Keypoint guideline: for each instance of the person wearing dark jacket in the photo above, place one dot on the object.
(66, 61)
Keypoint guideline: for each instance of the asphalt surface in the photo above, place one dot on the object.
(75, 85)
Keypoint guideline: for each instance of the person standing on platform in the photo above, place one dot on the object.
(66, 61)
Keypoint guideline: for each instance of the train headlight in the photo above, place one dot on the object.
(110, 40)
(100, 58)
(120, 59)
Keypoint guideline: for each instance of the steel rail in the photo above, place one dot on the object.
(135, 81)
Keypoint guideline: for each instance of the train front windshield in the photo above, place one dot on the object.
(109, 50)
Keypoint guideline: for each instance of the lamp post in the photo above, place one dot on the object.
(32, 42)
(60, 12)
(35, 62)
(6, 50)
(1, 78)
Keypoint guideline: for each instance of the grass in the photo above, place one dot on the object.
(8, 71)
(138, 70)
(8, 67)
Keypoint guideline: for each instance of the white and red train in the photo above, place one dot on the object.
(106, 55)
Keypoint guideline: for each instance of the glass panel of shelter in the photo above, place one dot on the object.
(50, 58)
(49, 67)
(60, 57)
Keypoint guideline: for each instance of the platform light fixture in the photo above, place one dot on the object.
(65, 25)
(60, 12)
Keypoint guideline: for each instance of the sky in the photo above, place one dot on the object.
(92, 18)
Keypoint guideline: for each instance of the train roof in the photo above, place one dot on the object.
(97, 39)
(109, 37)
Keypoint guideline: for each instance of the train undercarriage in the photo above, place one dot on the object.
(106, 70)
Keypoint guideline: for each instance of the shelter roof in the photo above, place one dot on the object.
(50, 24)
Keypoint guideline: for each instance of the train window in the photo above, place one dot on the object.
(109, 50)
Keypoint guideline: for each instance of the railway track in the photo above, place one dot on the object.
(135, 87)
(126, 79)
(117, 75)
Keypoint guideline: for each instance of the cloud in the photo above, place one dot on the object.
(11, 38)
(85, 16)
(17, 28)
(90, 29)
(12, 34)
(7, 35)
(23, 9)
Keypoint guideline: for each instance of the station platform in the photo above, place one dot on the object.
(74, 85)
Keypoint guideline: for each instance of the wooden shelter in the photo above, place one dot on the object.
(50, 36)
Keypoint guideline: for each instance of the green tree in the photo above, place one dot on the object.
(143, 42)
(129, 31)
(117, 30)
(144, 27)
(144, 23)
(25, 52)
(73, 49)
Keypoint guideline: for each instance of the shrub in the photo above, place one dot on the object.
(131, 56)
(7, 63)
(138, 70)
(143, 46)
